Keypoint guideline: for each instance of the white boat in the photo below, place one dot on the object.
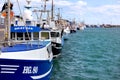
(57, 42)
(66, 33)
(25, 56)
(49, 26)
(81, 26)
(56, 38)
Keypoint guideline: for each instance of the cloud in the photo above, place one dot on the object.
(62, 3)
(75, 8)
(106, 9)
(82, 3)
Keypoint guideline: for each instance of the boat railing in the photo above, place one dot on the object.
(22, 23)
(12, 43)
(27, 42)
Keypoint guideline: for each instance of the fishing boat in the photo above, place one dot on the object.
(57, 42)
(66, 33)
(81, 26)
(56, 37)
(24, 55)
(50, 26)
(73, 27)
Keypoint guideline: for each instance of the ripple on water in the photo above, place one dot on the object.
(92, 54)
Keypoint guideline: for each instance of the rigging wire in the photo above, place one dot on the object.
(23, 19)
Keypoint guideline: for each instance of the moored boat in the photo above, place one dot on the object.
(23, 54)
(66, 33)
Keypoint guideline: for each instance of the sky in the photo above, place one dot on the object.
(88, 11)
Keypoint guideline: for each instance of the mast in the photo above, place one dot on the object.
(58, 13)
(52, 9)
(28, 6)
(45, 5)
(7, 23)
(46, 11)
(9, 36)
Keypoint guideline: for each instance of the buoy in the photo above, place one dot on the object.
(4, 14)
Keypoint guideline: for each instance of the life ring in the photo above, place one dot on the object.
(4, 14)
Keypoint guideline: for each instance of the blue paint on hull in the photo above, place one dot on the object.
(24, 69)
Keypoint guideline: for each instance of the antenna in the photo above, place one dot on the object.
(52, 17)
(45, 5)
(28, 1)
(28, 6)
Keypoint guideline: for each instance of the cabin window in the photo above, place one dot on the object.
(13, 36)
(44, 35)
(19, 36)
(28, 23)
(36, 35)
(27, 36)
(54, 34)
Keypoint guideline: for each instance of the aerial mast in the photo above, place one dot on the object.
(7, 23)
(52, 9)
(8, 20)
(58, 13)
(28, 4)
(45, 5)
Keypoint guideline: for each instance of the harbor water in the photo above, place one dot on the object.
(91, 54)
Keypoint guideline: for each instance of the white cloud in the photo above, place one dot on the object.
(62, 3)
(106, 9)
(76, 8)
(81, 3)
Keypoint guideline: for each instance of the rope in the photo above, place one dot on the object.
(22, 19)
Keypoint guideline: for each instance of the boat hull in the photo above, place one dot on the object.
(65, 36)
(11, 69)
(56, 49)
(72, 31)
(26, 61)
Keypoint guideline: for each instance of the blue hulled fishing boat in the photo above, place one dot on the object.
(24, 55)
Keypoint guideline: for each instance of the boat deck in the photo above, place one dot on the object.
(24, 46)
